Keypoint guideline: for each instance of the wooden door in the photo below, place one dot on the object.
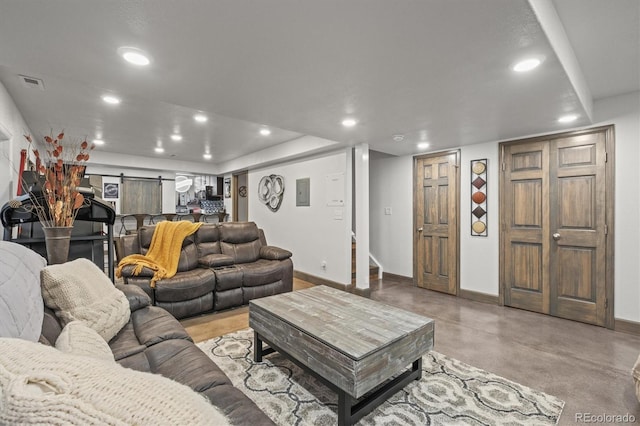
(578, 227)
(526, 221)
(555, 212)
(436, 247)
(141, 196)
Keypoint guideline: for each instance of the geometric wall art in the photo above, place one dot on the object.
(479, 198)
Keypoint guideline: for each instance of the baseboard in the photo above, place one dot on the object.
(479, 296)
(313, 279)
(626, 326)
(398, 278)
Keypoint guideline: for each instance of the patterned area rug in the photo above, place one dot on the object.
(450, 392)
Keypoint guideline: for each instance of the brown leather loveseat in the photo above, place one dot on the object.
(153, 341)
(221, 266)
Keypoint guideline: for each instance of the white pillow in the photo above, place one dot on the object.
(78, 339)
(41, 385)
(21, 307)
(79, 290)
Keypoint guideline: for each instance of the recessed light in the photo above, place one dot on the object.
(567, 118)
(134, 56)
(265, 132)
(176, 137)
(423, 145)
(98, 141)
(349, 122)
(159, 149)
(527, 64)
(398, 138)
(206, 156)
(200, 118)
(110, 99)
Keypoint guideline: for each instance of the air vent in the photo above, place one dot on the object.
(32, 82)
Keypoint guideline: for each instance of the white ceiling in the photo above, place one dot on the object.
(433, 70)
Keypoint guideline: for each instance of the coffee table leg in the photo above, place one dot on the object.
(345, 403)
(257, 347)
(417, 366)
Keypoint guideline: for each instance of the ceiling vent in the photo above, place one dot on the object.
(32, 82)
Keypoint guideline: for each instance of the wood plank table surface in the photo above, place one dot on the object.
(353, 344)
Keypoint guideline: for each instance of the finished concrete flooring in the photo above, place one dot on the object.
(586, 366)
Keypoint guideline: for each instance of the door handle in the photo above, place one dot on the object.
(556, 236)
(419, 229)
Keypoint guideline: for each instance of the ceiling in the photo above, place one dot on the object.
(436, 71)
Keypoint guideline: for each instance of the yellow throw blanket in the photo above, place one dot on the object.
(164, 252)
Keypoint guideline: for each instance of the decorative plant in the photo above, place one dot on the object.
(62, 167)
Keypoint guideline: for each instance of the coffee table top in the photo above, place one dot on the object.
(353, 325)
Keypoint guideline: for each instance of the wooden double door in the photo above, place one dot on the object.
(556, 207)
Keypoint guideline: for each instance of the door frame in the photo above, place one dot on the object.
(457, 154)
(609, 134)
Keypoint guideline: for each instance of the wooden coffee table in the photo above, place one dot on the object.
(351, 343)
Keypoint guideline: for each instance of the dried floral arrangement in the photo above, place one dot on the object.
(62, 166)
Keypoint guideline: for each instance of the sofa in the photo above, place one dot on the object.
(222, 265)
(151, 341)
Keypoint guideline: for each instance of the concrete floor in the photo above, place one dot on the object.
(586, 366)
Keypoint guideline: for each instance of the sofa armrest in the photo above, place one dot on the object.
(135, 295)
(274, 253)
(127, 272)
(215, 260)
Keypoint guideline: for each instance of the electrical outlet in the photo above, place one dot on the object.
(323, 264)
(387, 210)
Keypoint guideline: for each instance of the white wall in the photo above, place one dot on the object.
(624, 113)
(479, 272)
(312, 234)
(391, 185)
(12, 124)
(479, 256)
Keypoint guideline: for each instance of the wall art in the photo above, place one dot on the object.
(111, 190)
(479, 198)
(271, 191)
(227, 187)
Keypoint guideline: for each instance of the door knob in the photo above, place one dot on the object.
(419, 229)
(556, 236)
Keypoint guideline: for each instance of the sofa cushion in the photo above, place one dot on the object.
(43, 385)
(147, 327)
(79, 290)
(238, 232)
(208, 240)
(21, 306)
(260, 272)
(185, 285)
(78, 339)
(242, 252)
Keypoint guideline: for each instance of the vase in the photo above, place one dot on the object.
(57, 239)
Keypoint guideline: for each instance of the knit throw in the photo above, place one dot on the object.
(164, 252)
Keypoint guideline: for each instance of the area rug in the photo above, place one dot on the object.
(450, 392)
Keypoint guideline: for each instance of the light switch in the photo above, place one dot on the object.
(387, 210)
